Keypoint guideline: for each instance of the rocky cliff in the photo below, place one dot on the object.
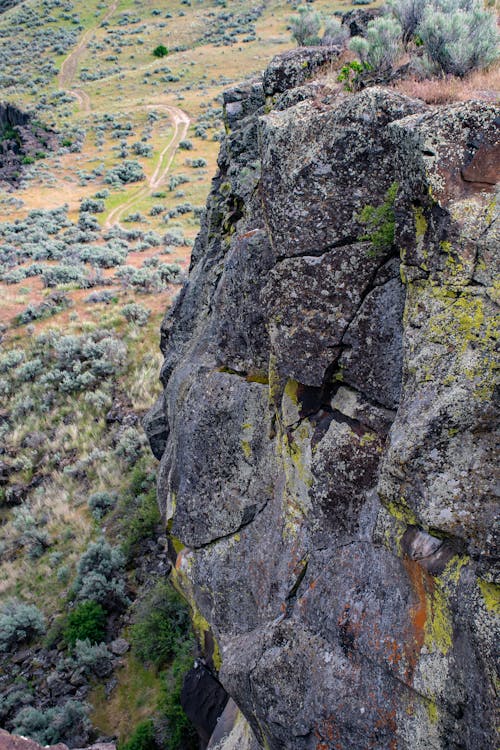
(325, 433)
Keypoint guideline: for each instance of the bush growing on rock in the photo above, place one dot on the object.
(93, 657)
(19, 622)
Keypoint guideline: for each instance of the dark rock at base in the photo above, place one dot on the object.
(203, 699)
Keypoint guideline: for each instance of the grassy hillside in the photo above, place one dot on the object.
(94, 242)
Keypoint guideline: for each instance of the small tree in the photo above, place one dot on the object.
(160, 51)
(305, 27)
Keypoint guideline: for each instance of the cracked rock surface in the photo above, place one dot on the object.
(326, 431)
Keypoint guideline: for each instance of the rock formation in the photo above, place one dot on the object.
(22, 141)
(325, 433)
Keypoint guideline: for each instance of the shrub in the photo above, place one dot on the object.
(86, 622)
(305, 27)
(100, 575)
(136, 313)
(92, 205)
(130, 444)
(197, 163)
(94, 658)
(335, 33)
(142, 149)
(180, 732)
(351, 74)
(409, 14)
(382, 44)
(129, 171)
(380, 222)
(186, 145)
(19, 622)
(139, 507)
(142, 738)
(457, 41)
(100, 503)
(52, 725)
(160, 51)
(162, 625)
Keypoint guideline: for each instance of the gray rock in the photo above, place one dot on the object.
(329, 417)
(119, 646)
(293, 68)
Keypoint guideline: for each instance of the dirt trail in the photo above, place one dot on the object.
(70, 64)
(181, 122)
(179, 119)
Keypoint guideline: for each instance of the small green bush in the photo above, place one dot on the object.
(160, 51)
(87, 621)
(143, 738)
(180, 732)
(380, 222)
(162, 625)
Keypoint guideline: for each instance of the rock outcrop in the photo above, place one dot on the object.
(326, 426)
(22, 141)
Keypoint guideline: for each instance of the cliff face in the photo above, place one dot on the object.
(325, 431)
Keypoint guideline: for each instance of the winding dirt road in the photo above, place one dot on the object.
(180, 122)
(179, 118)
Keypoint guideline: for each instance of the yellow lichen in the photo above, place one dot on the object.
(491, 595)
(438, 626)
(420, 223)
(432, 712)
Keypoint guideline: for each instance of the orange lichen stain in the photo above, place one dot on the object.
(422, 584)
(328, 735)
(178, 560)
(394, 652)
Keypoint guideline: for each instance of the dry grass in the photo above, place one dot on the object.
(482, 84)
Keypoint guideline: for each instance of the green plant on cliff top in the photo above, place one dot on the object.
(380, 222)
(351, 74)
